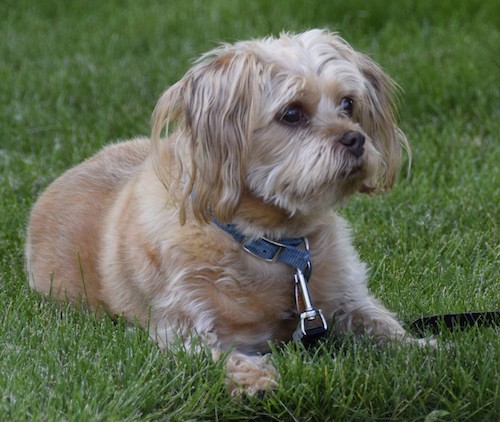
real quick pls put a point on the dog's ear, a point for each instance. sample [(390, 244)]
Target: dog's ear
[(378, 120), (213, 108)]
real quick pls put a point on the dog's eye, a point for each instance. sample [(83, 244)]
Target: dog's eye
[(347, 105), (292, 115)]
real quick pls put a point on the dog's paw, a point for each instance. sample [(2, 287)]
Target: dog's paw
[(430, 342), (250, 375)]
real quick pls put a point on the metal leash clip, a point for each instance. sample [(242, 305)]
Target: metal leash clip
[(312, 324)]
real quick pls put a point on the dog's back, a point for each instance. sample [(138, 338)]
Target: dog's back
[(64, 241)]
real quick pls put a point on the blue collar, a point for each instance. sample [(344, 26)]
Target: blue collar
[(291, 251)]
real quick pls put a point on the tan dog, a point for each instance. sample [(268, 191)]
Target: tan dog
[(267, 136)]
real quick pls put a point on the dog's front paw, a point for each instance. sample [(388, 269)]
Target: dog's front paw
[(250, 375), (430, 342)]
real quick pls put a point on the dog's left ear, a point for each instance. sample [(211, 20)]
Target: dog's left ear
[(213, 107), (378, 120)]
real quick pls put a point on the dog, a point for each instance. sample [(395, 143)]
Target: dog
[(253, 149)]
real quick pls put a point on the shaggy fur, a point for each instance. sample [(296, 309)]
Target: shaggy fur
[(258, 134)]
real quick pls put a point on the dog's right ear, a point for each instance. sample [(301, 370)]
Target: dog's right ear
[(213, 108)]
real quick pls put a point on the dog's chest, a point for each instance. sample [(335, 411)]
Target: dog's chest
[(254, 303)]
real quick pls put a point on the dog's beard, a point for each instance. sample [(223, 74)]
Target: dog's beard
[(300, 175)]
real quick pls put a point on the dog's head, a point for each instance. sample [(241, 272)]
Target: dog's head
[(300, 122)]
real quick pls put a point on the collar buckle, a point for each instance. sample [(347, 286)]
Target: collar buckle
[(270, 254)]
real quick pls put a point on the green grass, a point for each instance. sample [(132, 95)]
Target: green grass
[(76, 75)]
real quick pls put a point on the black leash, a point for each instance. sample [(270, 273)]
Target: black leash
[(452, 322)]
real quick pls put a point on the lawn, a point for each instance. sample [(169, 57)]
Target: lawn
[(75, 75)]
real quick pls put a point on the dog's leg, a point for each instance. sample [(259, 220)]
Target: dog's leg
[(371, 318), (367, 316), (340, 289)]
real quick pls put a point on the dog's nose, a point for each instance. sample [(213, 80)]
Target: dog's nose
[(354, 141)]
